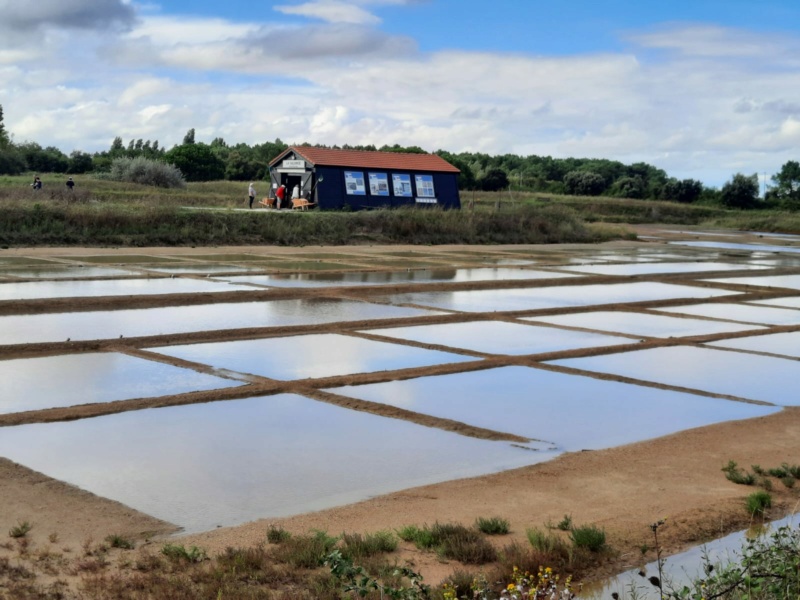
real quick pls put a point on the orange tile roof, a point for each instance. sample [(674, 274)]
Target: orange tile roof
[(399, 161)]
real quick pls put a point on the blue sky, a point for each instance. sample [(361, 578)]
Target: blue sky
[(702, 88)]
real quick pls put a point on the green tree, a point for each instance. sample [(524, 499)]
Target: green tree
[(5, 139), (189, 137), (79, 162), (197, 162), (494, 180), (584, 183), (787, 183), (740, 192), (687, 190)]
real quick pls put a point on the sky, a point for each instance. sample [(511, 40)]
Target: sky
[(701, 88)]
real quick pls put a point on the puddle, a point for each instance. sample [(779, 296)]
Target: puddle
[(65, 272), (788, 302), (111, 287), (200, 268), (91, 378), (496, 337), (121, 259), (745, 313), (304, 356), (787, 344), (393, 277), (737, 246), (657, 267), (314, 266), (647, 325), (781, 281), (552, 297), (705, 369), (57, 327), (571, 411), (681, 569), (225, 463)]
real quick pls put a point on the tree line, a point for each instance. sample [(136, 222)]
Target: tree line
[(217, 160)]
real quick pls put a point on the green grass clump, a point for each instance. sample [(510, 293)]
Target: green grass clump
[(547, 543), (492, 525), (588, 536), (736, 475), (565, 524), (758, 502), (277, 535), (452, 541), (118, 541), (178, 552), (357, 546), (788, 481), (20, 530), (305, 551)]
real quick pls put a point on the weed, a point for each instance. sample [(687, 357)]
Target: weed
[(451, 540), (788, 481), (356, 546), (547, 543), (736, 475), (305, 551), (758, 470), (178, 552), (588, 536), (565, 524), (492, 525), (119, 541), (758, 502), (276, 535), (53, 537), (20, 530)]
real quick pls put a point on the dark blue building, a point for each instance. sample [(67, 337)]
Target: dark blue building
[(335, 179)]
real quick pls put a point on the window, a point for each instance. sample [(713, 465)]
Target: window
[(378, 184), (354, 183), (425, 186), (402, 185)]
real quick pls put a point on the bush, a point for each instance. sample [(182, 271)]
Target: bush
[(547, 543), (492, 526), (20, 530), (758, 502), (276, 535), (588, 536), (119, 541), (356, 546), (451, 540), (146, 172), (305, 551), (180, 553), (736, 475)]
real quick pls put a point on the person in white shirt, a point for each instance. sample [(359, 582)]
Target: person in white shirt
[(251, 191)]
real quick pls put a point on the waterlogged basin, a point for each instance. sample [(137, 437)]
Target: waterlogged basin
[(304, 356), (200, 268), (570, 411), (748, 376), (787, 344), (65, 272), (392, 277), (745, 313), (653, 268), (225, 463), (787, 302), (109, 287), (552, 297), (497, 337), (642, 324), (36, 383), (781, 281), (122, 259), (738, 246), (182, 319)]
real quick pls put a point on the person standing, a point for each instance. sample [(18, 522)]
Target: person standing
[(295, 192), (37, 183), (280, 194), (251, 192), (70, 184)]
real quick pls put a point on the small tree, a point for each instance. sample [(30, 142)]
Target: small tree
[(494, 180), (189, 137), (5, 139), (787, 183), (584, 183), (740, 192), (197, 162)]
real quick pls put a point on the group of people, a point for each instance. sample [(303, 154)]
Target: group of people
[(37, 183), (280, 194)]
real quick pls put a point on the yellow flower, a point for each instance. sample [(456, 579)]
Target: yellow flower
[(511, 587)]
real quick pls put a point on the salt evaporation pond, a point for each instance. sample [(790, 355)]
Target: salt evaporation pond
[(200, 268), (573, 412), (744, 313), (224, 463), (498, 337), (642, 324), (781, 281), (787, 302), (553, 297), (112, 287), (303, 356), (58, 327), (748, 376), (72, 379), (662, 267), (394, 277), (737, 246), (65, 272), (787, 344)]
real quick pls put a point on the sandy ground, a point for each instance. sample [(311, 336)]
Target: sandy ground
[(620, 489)]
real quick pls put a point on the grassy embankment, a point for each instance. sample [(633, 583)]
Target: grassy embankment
[(101, 212)]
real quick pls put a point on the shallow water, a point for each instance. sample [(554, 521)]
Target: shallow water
[(66, 271), (782, 281), (393, 277), (497, 337), (303, 356), (68, 380), (642, 324), (110, 287), (201, 268), (659, 267), (224, 463), (787, 344), (122, 259), (552, 297), (737, 374), (745, 313), (737, 246), (19, 329), (573, 412), (787, 302)]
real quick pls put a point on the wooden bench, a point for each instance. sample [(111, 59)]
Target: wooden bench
[(268, 202), (302, 204)]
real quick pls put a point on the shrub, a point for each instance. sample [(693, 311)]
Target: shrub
[(565, 524), (547, 543), (146, 172), (276, 535), (758, 502), (118, 541), (492, 526), (357, 546), (178, 552), (588, 536), (451, 540), (736, 475), (788, 481), (20, 530), (305, 551)]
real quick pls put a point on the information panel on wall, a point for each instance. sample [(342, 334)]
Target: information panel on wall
[(425, 186), (378, 184), (354, 183), (402, 185)]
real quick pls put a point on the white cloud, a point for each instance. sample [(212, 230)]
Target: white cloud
[(332, 11)]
